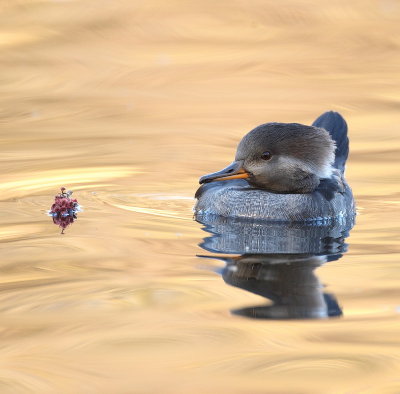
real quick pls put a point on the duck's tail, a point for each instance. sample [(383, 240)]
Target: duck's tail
[(335, 124)]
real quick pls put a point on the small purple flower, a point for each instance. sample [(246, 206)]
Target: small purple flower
[(64, 210)]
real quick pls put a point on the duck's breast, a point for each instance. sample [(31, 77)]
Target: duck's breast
[(237, 199)]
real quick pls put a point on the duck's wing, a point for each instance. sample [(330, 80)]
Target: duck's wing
[(335, 124), (328, 187)]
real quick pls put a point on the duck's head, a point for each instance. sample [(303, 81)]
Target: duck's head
[(282, 158)]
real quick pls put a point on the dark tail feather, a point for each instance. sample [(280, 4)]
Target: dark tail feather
[(337, 127)]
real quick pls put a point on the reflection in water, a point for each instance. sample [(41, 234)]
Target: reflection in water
[(277, 262), (288, 280), (64, 209)]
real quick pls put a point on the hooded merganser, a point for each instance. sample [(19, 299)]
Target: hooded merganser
[(284, 172)]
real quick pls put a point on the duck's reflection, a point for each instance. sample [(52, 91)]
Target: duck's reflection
[(278, 261)]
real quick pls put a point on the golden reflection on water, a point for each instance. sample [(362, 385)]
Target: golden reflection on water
[(128, 103), (50, 179)]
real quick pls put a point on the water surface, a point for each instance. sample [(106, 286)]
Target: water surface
[(128, 104)]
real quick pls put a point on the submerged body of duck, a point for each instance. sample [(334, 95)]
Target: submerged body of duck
[(284, 172)]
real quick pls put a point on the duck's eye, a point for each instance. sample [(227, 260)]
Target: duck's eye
[(266, 155)]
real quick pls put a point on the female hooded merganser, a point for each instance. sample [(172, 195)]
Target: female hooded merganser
[(284, 172)]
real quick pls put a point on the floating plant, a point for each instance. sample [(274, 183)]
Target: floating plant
[(64, 210)]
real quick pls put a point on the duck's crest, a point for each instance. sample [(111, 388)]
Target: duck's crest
[(335, 124)]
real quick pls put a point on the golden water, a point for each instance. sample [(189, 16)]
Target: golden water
[(127, 103)]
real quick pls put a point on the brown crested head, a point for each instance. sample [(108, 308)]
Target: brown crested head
[(286, 157), (282, 158)]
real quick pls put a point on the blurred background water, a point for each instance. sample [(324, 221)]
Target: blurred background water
[(127, 103)]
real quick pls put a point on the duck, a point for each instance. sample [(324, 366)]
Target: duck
[(284, 172)]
